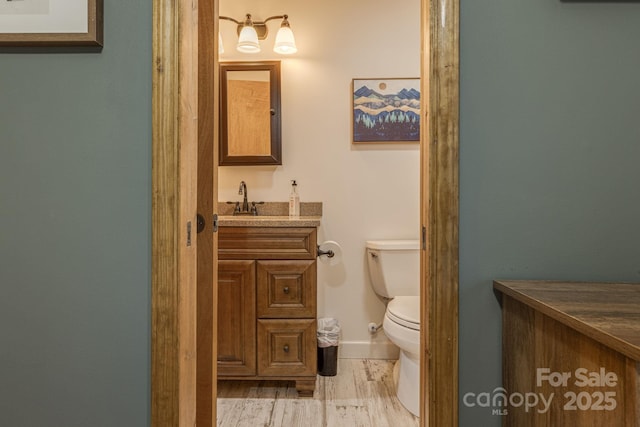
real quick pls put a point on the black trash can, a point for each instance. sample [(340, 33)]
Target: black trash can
[(328, 361), (328, 337)]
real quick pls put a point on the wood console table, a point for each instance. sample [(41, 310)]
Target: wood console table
[(573, 350)]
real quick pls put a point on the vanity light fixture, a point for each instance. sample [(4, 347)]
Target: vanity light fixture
[(250, 31)]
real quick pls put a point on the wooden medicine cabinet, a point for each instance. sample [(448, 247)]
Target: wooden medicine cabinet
[(250, 116)]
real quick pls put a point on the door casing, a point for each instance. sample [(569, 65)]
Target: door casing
[(178, 45), (439, 205)]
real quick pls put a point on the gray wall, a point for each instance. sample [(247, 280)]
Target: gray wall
[(550, 150), (550, 141), (75, 191)]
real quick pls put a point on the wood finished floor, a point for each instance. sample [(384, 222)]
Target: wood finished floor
[(362, 394)]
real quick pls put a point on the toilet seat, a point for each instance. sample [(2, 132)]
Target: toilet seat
[(405, 311)]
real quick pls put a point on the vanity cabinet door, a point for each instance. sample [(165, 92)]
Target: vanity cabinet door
[(287, 347), (236, 318), (286, 289)]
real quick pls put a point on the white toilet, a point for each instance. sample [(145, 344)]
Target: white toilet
[(394, 269)]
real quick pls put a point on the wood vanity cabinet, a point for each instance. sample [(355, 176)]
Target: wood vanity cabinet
[(267, 304), (573, 345)]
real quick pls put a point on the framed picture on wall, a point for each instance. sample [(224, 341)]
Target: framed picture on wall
[(51, 22), (386, 110)]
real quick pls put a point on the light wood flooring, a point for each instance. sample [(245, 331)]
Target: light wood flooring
[(362, 394)]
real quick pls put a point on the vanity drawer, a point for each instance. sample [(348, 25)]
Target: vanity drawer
[(287, 347), (267, 243), (286, 289)]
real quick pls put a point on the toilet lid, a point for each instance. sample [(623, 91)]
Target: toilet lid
[(405, 311)]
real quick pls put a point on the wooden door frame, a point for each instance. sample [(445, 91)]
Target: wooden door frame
[(439, 201), (173, 205), (174, 167)]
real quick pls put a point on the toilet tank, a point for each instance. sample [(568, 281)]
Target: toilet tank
[(394, 267)]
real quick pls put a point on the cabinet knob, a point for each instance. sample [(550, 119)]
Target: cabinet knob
[(285, 289), (286, 348)]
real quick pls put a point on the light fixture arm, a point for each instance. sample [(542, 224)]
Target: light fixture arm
[(230, 19), (276, 17)]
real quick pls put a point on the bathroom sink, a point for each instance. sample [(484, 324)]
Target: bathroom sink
[(254, 213), (267, 209), (270, 214)]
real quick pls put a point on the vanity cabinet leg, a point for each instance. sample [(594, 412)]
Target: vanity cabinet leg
[(305, 388)]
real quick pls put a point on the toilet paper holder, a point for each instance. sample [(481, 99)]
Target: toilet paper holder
[(329, 253)]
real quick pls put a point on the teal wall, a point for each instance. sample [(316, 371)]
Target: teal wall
[(549, 159), (550, 143), (75, 209)]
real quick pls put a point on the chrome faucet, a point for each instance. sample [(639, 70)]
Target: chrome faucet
[(245, 201)]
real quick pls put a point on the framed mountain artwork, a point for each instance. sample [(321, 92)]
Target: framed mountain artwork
[(386, 110), (28, 23)]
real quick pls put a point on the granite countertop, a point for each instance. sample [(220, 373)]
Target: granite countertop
[(272, 214), (268, 221)]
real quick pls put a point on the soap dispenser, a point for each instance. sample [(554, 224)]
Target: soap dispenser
[(294, 200)]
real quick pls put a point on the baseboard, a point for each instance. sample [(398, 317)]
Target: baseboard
[(367, 350)]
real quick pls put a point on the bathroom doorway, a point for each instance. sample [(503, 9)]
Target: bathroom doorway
[(439, 194)]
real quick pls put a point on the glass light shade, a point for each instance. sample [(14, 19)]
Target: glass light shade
[(285, 42), (248, 40), (220, 45)]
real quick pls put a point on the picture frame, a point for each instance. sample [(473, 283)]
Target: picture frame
[(385, 110), (51, 23)]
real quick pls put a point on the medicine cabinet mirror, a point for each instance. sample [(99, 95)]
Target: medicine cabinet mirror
[(250, 117)]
